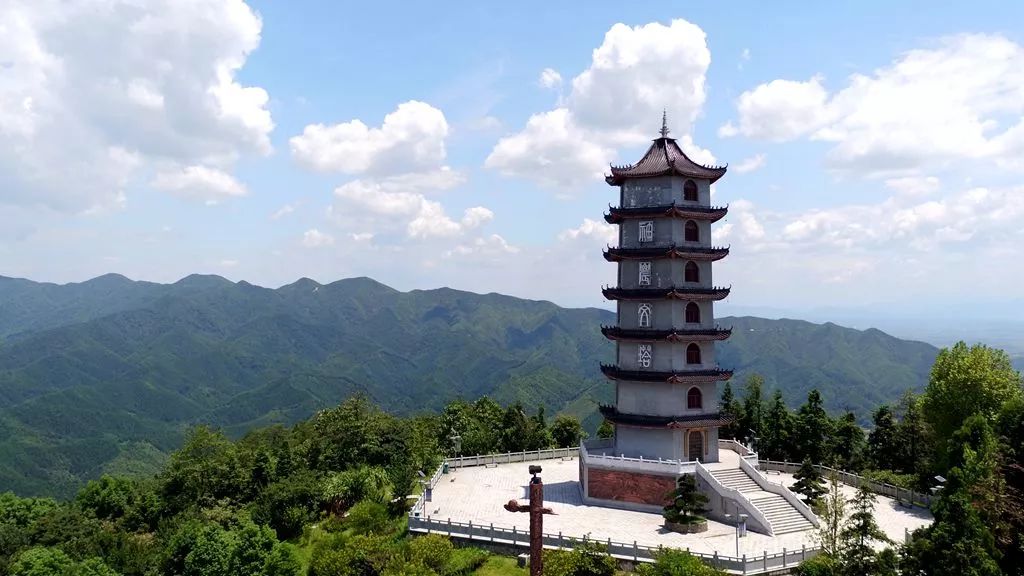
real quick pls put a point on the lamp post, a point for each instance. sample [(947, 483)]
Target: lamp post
[(740, 519)]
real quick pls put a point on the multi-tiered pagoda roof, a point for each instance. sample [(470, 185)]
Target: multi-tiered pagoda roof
[(671, 335), (709, 254), (670, 293), (616, 215), (664, 158), (613, 372), (647, 421)]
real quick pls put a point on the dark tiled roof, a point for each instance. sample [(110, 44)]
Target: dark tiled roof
[(678, 293), (683, 252), (710, 213), (613, 372), (664, 158), (674, 335), (648, 421)]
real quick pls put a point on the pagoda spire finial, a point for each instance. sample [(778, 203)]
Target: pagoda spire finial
[(664, 123)]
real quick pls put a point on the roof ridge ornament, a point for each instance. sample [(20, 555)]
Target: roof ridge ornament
[(664, 123)]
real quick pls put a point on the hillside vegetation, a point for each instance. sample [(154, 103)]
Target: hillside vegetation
[(105, 376)]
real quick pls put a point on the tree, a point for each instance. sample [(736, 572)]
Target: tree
[(367, 517), (515, 429), (913, 441), (42, 562), (203, 471), (883, 447), (585, 559), (729, 409), (752, 416), (831, 514), (778, 430), (847, 446), (566, 431), (813, 430), (606, 430), (283, 560), (809, 483), (686, 502), (957, 544), (538, 436), (858, 557), (965, 381)]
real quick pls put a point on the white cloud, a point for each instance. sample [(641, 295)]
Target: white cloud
[(314, 238), (487, 247), (633, 76), (282, 212), (411, 139), (200, 182), (228, 263), (958, 100), (93, 93), (550, 78), (755, 162), (601, 233), (476, 216)]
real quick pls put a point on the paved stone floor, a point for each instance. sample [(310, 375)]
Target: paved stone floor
[(477, 494)]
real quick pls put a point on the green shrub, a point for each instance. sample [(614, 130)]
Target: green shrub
[(432, 550), (672, 562), (367, 517), (465, 561), (586, 559), (821, 565)]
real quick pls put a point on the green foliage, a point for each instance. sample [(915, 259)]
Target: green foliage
[(813, 430), (343, 489), (751, 420), (107, 380), (566, 431), (42, 562), (606, 430), (729, 408), (831, 513), (465, 561), (585, 559), (908, 481), (432, 550), (367, 517), (686, 502), (672, 562), (204, 470), (859, 534), (288, 504), (809, 483), (966, 381), (283, 560), (820, 565), (777, 430)]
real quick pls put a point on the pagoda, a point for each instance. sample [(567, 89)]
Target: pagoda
[(666, 398)]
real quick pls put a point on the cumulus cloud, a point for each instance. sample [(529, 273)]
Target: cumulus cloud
[(200, 182), (602, 233), (633, 76), (92, 94), (314, 238), (550, 78), (960, 99), (411, 138), (755, 162)]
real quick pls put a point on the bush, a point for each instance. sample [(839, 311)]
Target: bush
[(433, 551), (367, 517), (586, 559), (465, 561), (672, 562), (820, 565), (889, 477)]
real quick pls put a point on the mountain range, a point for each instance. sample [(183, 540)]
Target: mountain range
[(107, 375)]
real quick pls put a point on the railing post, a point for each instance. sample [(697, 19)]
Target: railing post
[(634, 550), (717, 564), (513, 537), (765, 560), (449, 527), (744, 563), (560, 544), (783, 557), (470, 535), (803, 552), (492, 531)]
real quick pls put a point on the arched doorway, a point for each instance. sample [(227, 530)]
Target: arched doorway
[(696, 445)]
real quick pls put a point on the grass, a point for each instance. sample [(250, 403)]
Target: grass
[(500, 566)]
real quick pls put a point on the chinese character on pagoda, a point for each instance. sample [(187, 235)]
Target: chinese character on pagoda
[(665, 373)]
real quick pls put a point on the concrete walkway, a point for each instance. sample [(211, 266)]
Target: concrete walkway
[(477, 495)]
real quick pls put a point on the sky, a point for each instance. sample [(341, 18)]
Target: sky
[(874, 149)]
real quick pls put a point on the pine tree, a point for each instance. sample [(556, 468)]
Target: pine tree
[(831, 513), (857, 554), (778, 430), (686, 502), (729, 408), (810, 484), (882, 441), (751, 419), (847, 444), (813, 430)]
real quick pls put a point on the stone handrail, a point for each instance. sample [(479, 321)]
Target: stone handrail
[(663, 466), (887, 490), (763, 563), (735, 447), (779, 489), (739, 497)]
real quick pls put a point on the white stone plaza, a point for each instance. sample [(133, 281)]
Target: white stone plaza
[(477, 494)]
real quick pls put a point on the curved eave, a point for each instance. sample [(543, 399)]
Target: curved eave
[(670, 252), (613, 372), (697, 335), (647, 421), (698, 294), (709, 213), (620, 174)]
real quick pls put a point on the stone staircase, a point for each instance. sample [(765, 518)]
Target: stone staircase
[(783, 517)]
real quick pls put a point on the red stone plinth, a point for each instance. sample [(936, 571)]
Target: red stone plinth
[(632, 487)]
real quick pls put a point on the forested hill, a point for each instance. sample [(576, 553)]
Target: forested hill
[(105, 375)]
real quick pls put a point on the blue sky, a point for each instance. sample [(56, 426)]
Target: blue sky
[(873, 149)]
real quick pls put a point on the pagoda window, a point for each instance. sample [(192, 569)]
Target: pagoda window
[(647, 231), (692, 313), (693, 354), (691, 232), (690, 191), (692, 272), (645, 274), (694, 399), (643, 313), (643, 355)]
